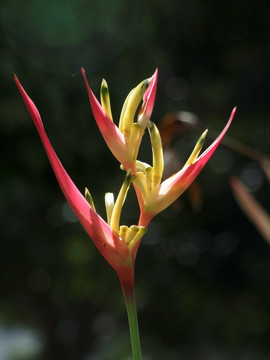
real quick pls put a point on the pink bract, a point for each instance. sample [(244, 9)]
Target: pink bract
[(112, 247)]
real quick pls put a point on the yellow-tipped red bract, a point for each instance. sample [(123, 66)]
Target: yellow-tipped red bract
[(119, 244), (154, 195), (124, 140)]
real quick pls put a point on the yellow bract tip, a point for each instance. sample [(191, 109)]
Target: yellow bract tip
[(105, 98), (197, 149), (89, 198)]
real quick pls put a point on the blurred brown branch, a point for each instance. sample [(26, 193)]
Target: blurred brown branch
[(250, 206)]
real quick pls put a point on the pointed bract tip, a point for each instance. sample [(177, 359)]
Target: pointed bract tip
[(104, 83), (89, 199), (232, 115), (104, 87), (146, 84), (82, 70), (203, 136), (17, 81), (154, 76), (197, 149), (200, 142), (105, 98)]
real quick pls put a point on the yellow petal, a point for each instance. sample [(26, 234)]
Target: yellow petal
[(115, 218), (131, 104), (158, 161), (109, 204)]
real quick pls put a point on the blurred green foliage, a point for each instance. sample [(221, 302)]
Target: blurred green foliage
[(202, 278)]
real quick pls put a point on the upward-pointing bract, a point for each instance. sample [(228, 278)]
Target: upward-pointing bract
[(154, 195), (124, 140)]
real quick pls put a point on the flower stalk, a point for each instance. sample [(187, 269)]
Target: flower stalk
[(131, 307)]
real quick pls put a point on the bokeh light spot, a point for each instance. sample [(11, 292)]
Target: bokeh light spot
[(187, 254), (252, 177), (68, 214)]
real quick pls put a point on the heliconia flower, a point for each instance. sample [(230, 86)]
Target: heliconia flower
[(118, 244), (124, 140), (154, 195)]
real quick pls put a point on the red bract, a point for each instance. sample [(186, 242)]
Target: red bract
[(165, 193), (112, 247)]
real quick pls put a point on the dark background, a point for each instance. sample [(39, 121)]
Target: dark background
[(202, 272)]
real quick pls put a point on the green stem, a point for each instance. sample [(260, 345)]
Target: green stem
[(133, 322)]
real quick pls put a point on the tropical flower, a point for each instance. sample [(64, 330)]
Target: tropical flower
[(124, 141), (118, 244), (154, 195)]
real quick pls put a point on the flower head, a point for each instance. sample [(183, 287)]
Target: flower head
[(124, 140), (119, 244)]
